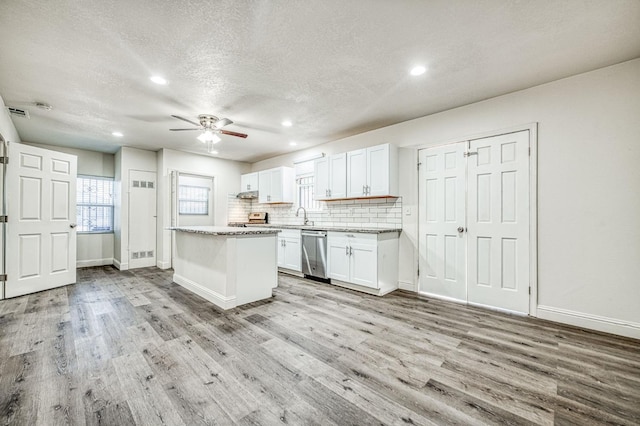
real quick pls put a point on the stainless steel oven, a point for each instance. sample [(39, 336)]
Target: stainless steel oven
[(314, 253)]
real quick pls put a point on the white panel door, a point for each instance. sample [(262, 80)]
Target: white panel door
[(498, 215), (277, 178), (356, 173), (442, 248), (41, 207), (142, 219), (264, 185)]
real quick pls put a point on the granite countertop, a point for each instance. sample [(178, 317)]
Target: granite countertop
[(224, 230), (321, 228)]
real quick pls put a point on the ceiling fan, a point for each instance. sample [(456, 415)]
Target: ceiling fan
[(211, 126)]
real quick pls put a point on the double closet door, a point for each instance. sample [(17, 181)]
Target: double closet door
[(474, 221)]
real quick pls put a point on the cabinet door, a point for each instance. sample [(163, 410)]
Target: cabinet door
[(292, 254), (264, 185), (338, 259), (363, 268), (356, 173), (281, 252), (378, 170), (338, 176), (249, 182), (276, 186), (321, 178)]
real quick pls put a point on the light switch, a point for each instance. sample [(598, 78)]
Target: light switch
[(407, 211)]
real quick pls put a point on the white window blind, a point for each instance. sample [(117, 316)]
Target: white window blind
[(193, 200), (94, 204)]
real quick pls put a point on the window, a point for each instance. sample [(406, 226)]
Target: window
[(304, 186), (193, 200), (94, 205)]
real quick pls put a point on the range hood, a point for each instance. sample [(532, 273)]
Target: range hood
[(248, 195)]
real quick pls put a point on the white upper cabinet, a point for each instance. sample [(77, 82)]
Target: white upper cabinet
[(321, 178), (338, 176), (373, 172), (330, 177), (249, 182), (276, 185)]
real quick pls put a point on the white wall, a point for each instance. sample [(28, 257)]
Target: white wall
[(92, 249), (127, 159), (588, 187), (226, 180)]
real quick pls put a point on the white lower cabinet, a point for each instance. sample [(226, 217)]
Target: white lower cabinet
[(363, 261), (289, 249)]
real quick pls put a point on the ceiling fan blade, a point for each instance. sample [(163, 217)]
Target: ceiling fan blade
[(222, 122), (227, 132), (187, 120), (182, 130)]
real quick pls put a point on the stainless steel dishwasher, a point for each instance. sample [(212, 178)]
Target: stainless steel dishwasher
[(314, 254)]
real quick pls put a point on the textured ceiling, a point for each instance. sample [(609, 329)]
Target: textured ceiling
[(333, 67)]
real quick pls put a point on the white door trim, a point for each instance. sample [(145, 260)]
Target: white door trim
[(533, 198)]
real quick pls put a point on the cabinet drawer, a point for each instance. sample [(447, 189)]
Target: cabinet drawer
[(362, 237), (289, 233)]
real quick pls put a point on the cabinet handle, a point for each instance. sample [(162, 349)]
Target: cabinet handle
[(326, 192), (350, 251), (364, 189), (329, 192), (346, 248)]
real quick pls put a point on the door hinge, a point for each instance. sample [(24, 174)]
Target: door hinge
[(529, 290), (3, 277), (419, 166), (4, 160), (418, 271), (4, 219), (529, 151), (469, 153)]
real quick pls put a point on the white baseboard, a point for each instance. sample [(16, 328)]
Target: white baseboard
[(291, 272), (210, 295), (94, 262), (119, 265), (593, 322), (163, 265), (406, 285), (446, 298)]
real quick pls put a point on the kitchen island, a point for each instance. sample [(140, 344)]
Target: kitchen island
[(227, 266)]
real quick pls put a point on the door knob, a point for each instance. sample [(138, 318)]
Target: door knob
[(72, 225), (461, 229)]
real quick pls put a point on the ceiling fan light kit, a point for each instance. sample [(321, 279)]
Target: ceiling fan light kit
[(211, 126)]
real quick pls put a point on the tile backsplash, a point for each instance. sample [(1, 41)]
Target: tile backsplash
[(369, 213)]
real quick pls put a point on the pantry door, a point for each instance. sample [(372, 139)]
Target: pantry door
[(498, 218), (442, 221), (41, 210)]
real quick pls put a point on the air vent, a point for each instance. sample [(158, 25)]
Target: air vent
[(19, 112)]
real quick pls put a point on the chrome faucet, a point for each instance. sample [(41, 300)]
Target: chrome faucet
[(306, 221)]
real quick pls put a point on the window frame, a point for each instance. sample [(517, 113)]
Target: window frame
[(111, 206)]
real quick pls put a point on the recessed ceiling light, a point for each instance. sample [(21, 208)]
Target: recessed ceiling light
[(117, 134), (418, 70), (293, 143), (158, 80), (287, 123)]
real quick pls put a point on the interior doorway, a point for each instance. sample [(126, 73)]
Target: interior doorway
[(475, 222)]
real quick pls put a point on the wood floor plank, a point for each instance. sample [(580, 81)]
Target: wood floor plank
[(132, 347)]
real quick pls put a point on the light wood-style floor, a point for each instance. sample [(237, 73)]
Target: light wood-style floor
[(131, 347)]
